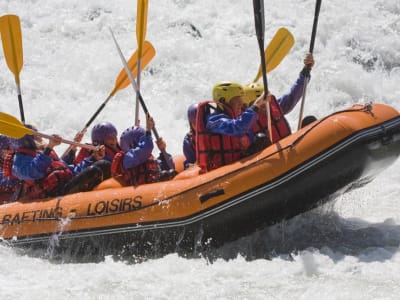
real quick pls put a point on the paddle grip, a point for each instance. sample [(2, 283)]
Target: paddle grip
[(89, 147)]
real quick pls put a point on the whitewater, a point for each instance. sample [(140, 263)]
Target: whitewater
[(348, 249)]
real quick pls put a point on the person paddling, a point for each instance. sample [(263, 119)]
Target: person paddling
[(135, 164), (38, 166), (279, 107)]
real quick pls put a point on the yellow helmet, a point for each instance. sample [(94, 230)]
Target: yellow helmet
[(252, 91), (225, 91)]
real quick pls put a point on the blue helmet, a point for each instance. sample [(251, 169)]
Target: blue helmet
[(130, 137), (26, 141), (191, 113), (101, 131), (5, 142)]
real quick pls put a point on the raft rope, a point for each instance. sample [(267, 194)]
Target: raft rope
[(367, 107)]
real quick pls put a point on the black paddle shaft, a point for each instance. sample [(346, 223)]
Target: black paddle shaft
[(155, 132), (307, 69), (21, 108), (259, 21), (314, 32), (314, 29)]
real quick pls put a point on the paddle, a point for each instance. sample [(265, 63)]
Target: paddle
[(308, 68), (12, 127), (135, 87), (122, 81), (258, 6), (11, 37), (141, 27), (277, 49)]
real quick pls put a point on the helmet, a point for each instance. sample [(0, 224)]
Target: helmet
[(252, 91), (27, 141), (5, 142), (130, 137), (191, 113), (225, 91), (101, 131)]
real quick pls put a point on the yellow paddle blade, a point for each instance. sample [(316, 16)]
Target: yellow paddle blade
[(141, 24), (11, 37), (277, 49), (122, 80), (12, 127)]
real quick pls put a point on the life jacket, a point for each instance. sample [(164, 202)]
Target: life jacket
[(215, 150), (279, 126), (12, 184), (83, 153), (51, 185), (7, 163), (147, 172)]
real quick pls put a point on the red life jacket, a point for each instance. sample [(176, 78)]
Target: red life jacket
[(147, 172), (215, 150), (7, 165), (82, 154), (51, 185), (279, 126)]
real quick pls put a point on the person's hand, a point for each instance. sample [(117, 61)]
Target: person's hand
[(149, 123), (100, 153), (260, 102), (55, 140), (161, 144), (309, 60)]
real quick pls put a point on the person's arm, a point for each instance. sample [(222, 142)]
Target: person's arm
[(188, 150), (26, 167), (140, 154), (223, 124), (164, 165), (288, 101)]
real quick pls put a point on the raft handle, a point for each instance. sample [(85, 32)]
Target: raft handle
[(212, 194)]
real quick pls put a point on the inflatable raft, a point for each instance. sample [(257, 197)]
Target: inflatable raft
[(331, 155)]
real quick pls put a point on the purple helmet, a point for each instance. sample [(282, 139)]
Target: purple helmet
[(5, 142), (130, 137), (192, 111), (26, 141), (101, 131)]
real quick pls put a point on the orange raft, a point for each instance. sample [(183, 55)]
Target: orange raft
[(306, 169)]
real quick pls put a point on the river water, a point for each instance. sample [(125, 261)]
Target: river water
[(348, 249)]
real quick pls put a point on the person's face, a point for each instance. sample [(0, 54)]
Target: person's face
[(111, 141), (236, 103)]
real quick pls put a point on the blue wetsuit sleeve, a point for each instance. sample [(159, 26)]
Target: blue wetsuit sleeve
[(26, 167), (136, 156), (288, 101), (223, 124)]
